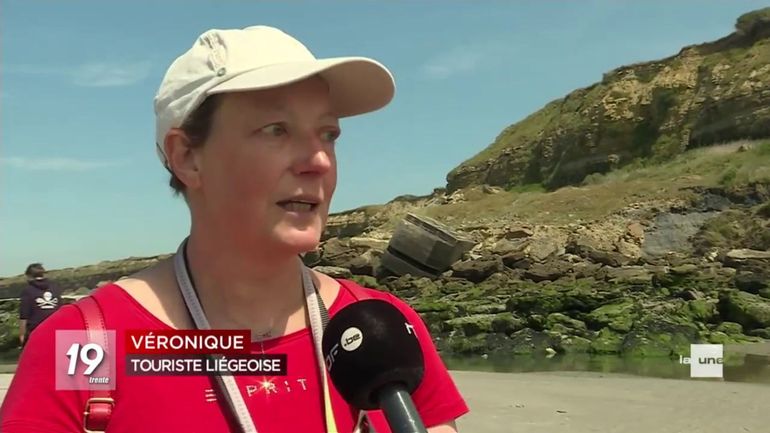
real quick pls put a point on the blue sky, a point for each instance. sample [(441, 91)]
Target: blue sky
[(79, 179)]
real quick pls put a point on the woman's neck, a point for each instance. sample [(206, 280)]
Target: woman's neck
[(260, 292)]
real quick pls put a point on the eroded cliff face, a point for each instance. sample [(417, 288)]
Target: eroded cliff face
[(707, 94)]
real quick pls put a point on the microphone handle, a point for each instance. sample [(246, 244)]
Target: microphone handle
[(399, 410)]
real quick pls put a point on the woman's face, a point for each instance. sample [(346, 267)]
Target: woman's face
[(268, 168)]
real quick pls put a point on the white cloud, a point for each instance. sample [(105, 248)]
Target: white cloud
[(56, 164), (464, 59), (110, 74), (91, 74), (452, 63)]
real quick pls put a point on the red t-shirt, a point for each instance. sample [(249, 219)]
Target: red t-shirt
[(161, 404)]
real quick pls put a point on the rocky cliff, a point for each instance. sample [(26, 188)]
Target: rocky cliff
[(706, 94), (642, 263)]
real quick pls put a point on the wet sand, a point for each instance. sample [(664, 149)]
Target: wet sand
[(759, 349), (594, 402), (567, 402)]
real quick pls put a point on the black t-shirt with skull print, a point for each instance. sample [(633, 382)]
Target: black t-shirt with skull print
[(40, 299)]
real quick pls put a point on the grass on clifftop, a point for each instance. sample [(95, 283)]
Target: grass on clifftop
[(724, 165)]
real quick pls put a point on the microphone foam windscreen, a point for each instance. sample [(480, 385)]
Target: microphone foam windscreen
[(367, 345)]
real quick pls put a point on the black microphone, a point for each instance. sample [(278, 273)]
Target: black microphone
[(375, 361)]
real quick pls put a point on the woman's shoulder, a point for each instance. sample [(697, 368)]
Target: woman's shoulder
[(152, 292), (358, 291)]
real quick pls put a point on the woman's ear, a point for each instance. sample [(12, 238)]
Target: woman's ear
[(181, 158)]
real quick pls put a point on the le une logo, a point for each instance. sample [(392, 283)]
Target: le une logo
[(705, 360)]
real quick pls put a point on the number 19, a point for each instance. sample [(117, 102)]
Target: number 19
[(92, 363)]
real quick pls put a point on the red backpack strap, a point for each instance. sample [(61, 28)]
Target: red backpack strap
[(100, 403)]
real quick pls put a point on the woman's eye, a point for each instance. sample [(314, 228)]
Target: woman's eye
[(331, 135), (275, 130)]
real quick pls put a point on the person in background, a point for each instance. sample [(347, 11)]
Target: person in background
[(39, 300)]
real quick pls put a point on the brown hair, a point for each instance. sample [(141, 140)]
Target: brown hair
[(197, 126)]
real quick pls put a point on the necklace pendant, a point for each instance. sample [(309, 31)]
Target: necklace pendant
[(262, 336)]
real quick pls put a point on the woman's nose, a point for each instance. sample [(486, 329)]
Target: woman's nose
[(315, 156)]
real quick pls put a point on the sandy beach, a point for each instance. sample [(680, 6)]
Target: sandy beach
[(593, 402), (569, 402)]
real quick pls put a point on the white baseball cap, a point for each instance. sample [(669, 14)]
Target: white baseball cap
[(262, 57)]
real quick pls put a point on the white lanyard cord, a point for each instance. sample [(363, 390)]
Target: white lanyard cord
[(227, 383), (316, 327)]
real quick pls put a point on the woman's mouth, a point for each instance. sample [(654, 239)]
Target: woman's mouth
[(298, 206)]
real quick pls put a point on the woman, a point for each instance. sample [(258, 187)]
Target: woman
[(246, 124)]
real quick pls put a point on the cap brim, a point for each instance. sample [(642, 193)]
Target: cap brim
[(357, 85)]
